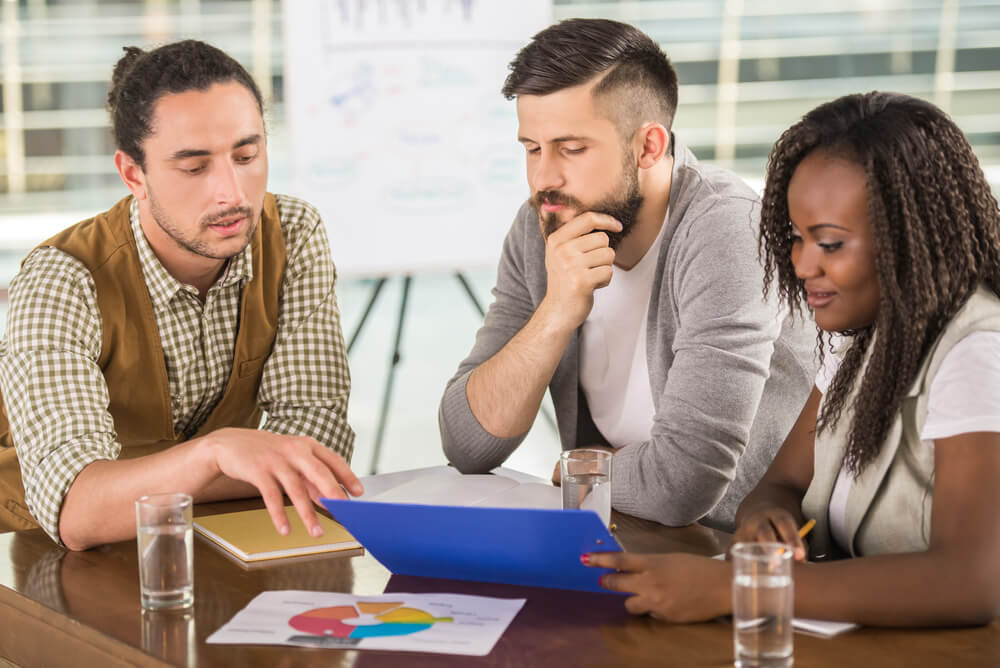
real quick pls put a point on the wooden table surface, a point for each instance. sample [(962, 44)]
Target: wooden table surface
[(60, 608)]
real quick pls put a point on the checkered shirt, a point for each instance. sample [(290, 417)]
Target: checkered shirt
[(56, 397)]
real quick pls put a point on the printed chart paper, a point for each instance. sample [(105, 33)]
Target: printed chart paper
[(442, 623)]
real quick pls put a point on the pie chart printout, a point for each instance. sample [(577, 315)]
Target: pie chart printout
[(365, 620), (395, 622)]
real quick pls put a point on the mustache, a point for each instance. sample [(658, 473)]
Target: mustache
[(555, 197), (244, 211)]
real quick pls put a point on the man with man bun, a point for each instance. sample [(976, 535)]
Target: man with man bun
[(144, 345)]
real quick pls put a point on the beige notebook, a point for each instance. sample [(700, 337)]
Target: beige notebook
[(251, 536)]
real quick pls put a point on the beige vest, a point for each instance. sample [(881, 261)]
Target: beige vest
[(131, 352), (889, 504)]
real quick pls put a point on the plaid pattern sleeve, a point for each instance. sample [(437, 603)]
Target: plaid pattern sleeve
[(306, 382), (54, 392)]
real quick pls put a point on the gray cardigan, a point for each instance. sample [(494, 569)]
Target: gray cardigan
[(728, 372)]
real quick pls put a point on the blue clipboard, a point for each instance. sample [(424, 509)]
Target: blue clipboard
[(521, 546)]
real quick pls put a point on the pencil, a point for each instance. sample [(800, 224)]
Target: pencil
[(806, 528)]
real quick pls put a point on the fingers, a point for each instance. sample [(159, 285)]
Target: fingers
[(557, 475), (600, 277), (766, 533), (590, 242), (584, 253), (800, 549), (313, 493), (274, 501), (786, 530), (593, 247), (277, 465), (631, 581), (584, 224), (310, 471), (623, 582), (619, 561), (319, 467), (773, 525), (296, 490), (602, 257), (341, 471), (638, 605)]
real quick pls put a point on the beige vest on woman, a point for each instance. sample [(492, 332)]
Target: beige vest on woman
[(889, 504)]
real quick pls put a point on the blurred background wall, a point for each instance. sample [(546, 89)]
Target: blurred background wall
[(748, 69)]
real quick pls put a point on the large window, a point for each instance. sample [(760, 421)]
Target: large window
[(748, 69)]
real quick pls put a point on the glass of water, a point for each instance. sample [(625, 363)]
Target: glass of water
[(763, 596), (585, 476), (166, 550)]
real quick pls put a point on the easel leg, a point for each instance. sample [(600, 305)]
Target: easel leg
[(368, 309), (472, 295), (387, 395)]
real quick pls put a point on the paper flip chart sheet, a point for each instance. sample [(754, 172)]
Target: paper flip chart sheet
[(399, 134)]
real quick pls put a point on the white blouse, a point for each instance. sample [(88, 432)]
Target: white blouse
[(964, 397)]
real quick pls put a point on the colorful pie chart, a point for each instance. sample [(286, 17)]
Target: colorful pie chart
[(367, 620)]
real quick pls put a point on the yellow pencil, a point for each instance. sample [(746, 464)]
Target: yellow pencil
[(806, 528)]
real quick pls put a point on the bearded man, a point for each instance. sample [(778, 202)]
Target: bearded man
[(629, 285)]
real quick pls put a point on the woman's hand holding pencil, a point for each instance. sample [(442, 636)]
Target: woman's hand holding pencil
[(774, 525)]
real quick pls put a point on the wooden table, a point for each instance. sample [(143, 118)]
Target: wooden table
[(60, 608)]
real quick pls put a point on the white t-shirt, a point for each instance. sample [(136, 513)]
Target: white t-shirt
[(964, 397), (614, 375)]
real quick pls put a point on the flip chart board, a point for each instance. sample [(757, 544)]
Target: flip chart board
[(398, 130)]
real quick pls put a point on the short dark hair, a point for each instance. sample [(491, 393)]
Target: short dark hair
[(639, 82), (936, 227), (141, 78)]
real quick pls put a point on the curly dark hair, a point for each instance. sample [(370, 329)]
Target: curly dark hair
[(937, 237), (141, 78)]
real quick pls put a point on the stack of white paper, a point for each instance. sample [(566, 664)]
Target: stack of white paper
[(444, 485)]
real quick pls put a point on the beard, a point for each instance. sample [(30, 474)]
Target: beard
[(189, 241), (623, 205)]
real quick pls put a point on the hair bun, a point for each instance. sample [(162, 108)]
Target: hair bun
[(122, 69)]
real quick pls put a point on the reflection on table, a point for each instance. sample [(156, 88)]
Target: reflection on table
[(85, 605)]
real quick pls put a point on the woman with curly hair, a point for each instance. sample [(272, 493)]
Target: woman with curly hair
[(877, 215)]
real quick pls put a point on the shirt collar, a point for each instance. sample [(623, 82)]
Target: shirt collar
[(161, 284)]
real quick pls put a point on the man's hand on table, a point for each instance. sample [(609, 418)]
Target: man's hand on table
[(277, 465)]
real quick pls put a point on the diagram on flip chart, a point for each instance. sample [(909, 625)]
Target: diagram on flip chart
[(399, 133)]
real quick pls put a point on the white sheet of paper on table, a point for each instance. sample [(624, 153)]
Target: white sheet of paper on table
[(442, 623), (444, 485), (815, 627), (383, 482)]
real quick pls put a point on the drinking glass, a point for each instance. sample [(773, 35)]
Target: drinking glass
[(166, 550), (762, 604), (586, 481)]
